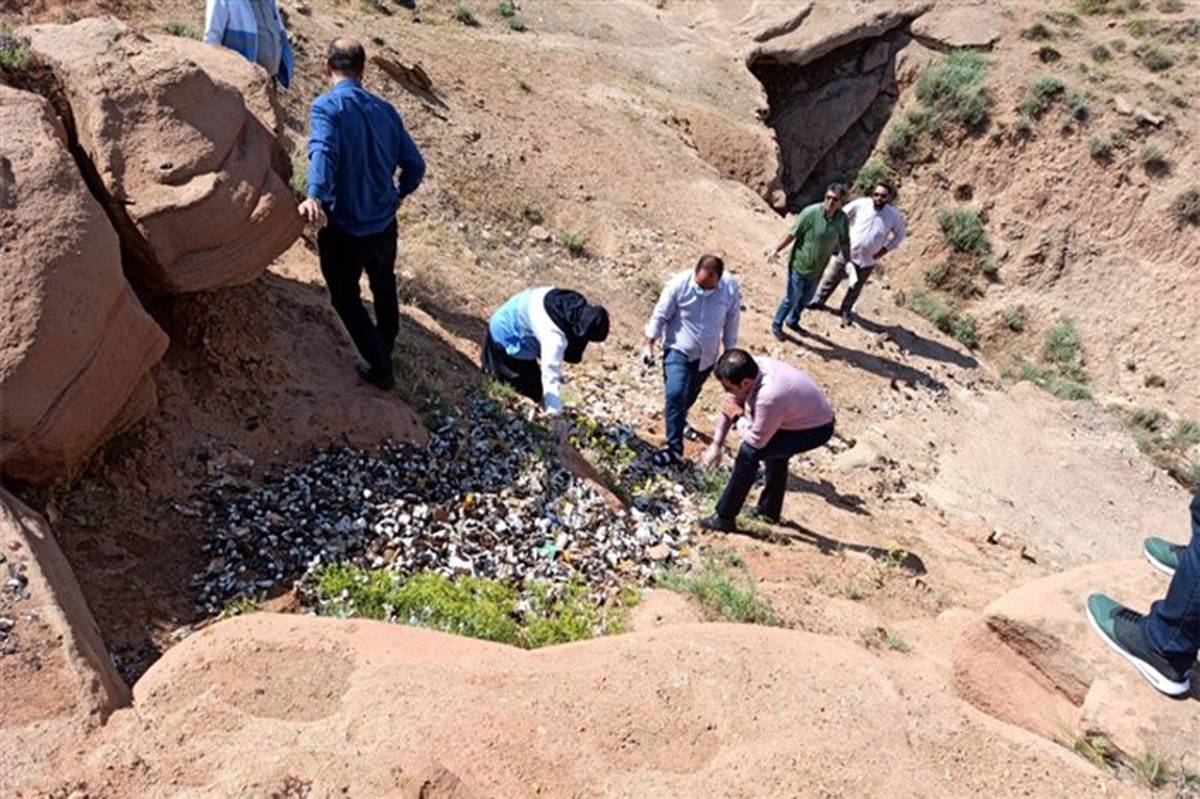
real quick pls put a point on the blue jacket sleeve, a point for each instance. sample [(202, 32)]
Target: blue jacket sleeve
[(322, 153), (410, 163)]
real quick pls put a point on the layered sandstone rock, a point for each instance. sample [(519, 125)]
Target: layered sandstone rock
[(76, 347), (189, 164)]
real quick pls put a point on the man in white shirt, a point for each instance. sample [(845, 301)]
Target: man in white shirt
[(876, 228), (697, 311)]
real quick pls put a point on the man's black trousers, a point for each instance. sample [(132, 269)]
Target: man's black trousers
[(343, 260)]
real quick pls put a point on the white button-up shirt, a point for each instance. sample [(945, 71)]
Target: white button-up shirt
[(871, 230), (696, 324)]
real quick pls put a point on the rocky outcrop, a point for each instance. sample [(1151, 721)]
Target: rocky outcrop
[(948, 27), (57, 675), (832, 25), (187, 163), (75, 345), (1034, 661)]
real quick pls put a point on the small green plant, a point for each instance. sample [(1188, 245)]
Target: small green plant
[(1154, 56), (1141, 27), (379, 41), (1014, 318), (1061, 348), (68, 16), (900, 141), (531, 213), (1150, 419), (965, 331), (896, 642), (1077, 107), (870, 175), (573, 243), (937, 276), (182, 29), (1092, 7), (466, 16), (1186, 207), (944, 317), (299, 179), (1101, 148), (1041, 94), (238, 607), (517, 24), (507, 10), (1151, 770), (1154, 160), (14, 54), (1100, 54), (724, 590), (851, 590), (953, 88), (1170, 6), (1096, 750), (1038, 32), (963, 231)]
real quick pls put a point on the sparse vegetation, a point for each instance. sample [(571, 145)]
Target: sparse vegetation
[(944, 317), (1170, 6), (466, 16), (1154, 56), (900, 141), (1154, 160), (517, 24), (1101, 148), (238, 607), (963, 231), (1186, 207), (1096, 750), (1038, 32), (1167, 445), (531, 213), (573, 243), (1041, 94), (543, 614), (14, 55), (181, 29), (953, 89), (1048, 55), (378, 41), (507, 10), (936, 276), (1100, 54), (870, 175), (1062, 372), (1151, 770), (68, 16), (1014, 318), (299, 180), (723, 588)]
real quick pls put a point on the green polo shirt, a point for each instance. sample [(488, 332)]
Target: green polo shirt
[(817, 238)]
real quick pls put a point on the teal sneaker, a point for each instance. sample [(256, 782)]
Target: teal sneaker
[(1121, 629), (1163, 555)]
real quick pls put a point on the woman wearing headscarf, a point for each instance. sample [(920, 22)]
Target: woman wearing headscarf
[(530, 336)]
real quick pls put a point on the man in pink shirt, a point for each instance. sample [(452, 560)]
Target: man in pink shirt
[(779, 412)]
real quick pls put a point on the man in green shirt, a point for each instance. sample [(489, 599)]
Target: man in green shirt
[(819, 231)]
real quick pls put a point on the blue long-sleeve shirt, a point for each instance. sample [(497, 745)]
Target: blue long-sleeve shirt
[(696, 323), (356, 142)]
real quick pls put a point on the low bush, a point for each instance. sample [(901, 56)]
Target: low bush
[(573, 243), (181, 29), (963, 231), (1186, 207), (1101, 148), (870, 175), (953, 88), (724, 589), (1154, 56), (1154, 160)]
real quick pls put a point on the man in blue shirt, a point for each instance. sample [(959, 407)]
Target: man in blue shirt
[(698, 311), (356, 144)]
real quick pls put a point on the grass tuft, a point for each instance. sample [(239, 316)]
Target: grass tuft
[(1186, 207), (181, 29), (963, 230), (1014, 318), (953, 89), (870, 175), (466, 16), (724, 589), (1154, 56), (936, 309), (573, 243), (1154, 160), (1101, 148)]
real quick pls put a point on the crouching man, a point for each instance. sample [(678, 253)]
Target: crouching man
[(779, 412)]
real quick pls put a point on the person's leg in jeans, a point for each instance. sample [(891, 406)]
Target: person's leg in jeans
[(1173, 624), (834, 273), (341, 266), (782, 446), (381, 275), (678, 374), (790, 298), (805, 288), (694, 385)]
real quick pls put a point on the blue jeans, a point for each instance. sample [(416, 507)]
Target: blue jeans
[(683, 379), (800, 290), (1173, 624), (775, 454)]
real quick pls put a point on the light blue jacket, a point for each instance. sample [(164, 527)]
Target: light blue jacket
[(231, 23)]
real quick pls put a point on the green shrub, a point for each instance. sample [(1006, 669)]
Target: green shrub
[(1038, 32), (963, 231), (1186, 207), (517, 24), (724, 589), (181, 29), (1041, 94), (1091, 7), (1154, 56), (531, 213), (1170, 6), (870, 175), (937, 276), (1151, 419), (1154, 160), (900, 141), (465, 16), (507, 10), (1077, 107), (965, 331), (954, 89), (1141, 27), (1049, 380), (573, 243), (1101, 148), (1100, 53), (299, 181), (1048, 55), (1061, 349), (944, 317), (470, 606), (14, 54), (1014, 318), (68, 16)]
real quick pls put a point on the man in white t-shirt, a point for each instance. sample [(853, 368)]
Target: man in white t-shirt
[(876, 228)]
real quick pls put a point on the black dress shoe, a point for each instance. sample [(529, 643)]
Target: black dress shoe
[(367, 373), (718, 524)]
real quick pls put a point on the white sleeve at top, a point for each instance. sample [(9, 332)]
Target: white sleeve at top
[(733, 316), (216, 18), (552, 344)]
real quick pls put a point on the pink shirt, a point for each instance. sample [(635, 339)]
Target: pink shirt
[(783, 398)]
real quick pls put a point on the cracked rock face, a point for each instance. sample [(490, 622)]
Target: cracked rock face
[(182, 139), (76, 347)]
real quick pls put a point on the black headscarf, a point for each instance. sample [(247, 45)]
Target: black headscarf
[(579, 321)]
